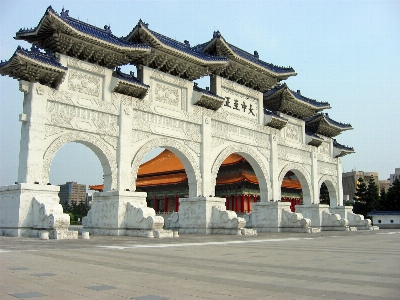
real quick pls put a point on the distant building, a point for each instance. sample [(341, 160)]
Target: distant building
[(385, 219), (89, 199), (350, 180), (395, 176), (72, 192), (384, 184)]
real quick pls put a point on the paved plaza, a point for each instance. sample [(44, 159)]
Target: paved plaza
[(328, 265)]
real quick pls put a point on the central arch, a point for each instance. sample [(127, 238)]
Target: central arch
[(331, 185), (181, 151), (303, 177), (99, 148), (254, 160)]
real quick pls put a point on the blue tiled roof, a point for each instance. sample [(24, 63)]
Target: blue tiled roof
[(329, 120), (383, 212), (247, 56), (34, 53), (296, 95), (205, 91), (103, 34), (273, 113), (254, 59), (313, 135), (128, 77), (183, 47), (339, 146)]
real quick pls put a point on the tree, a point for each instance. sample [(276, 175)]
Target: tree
[(360, 206), (382, 201), (324, 194), (372, 195), (393, 196)]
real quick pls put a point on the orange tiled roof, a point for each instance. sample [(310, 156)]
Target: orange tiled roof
[(161, 179), (165, 162), (174, 172)]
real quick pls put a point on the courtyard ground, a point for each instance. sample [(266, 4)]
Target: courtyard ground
[(328, 265)]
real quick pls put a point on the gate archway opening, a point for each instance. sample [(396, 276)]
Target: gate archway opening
[(291, 190), (328, 193), (74, 173), (237, 183), (164, 179)]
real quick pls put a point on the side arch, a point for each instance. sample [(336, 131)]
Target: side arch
[(181, 151), (105, 155), (254, 160), (331, 184), (304, 178)]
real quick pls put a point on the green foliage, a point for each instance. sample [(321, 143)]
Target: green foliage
[(324, 194), (367, 197), (75, 211), (393, 196)]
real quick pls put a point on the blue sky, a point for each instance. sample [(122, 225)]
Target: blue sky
[(346, 53)]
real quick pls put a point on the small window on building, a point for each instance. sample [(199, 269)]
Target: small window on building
[(391, 221), (379, 221)]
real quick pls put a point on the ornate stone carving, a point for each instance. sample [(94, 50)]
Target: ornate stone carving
[(248, 153), (107, 158), (293, 154), (84, 83), (138, 135), (174, 144), (292, 132), (85, 102), (86, 66), (327, 169), (51, 130), (72, 116), (167, 94)]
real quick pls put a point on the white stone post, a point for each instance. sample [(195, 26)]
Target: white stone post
[(205, 159), (124, 145), (314, 180), (33, 120), (276, 185), (339, 187)]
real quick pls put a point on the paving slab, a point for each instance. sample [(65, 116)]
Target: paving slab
[(327, 265)]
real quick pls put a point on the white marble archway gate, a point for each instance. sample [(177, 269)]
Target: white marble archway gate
[(121, 129)]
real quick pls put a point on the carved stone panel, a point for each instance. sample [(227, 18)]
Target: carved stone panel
[(84, 83)]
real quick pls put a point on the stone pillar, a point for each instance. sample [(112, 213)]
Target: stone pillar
[(124, 145), (205, 159), (33, 120), (275, 184), (314, 181), (339, 187)]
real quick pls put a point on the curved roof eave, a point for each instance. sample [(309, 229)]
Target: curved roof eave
[(56, 18), (211, 61), (239, 58)]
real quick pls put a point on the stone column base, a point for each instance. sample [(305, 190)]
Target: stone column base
[(29, 209), (123, 213), (276, 217), (206, 215), (355, 220), (322, 218)]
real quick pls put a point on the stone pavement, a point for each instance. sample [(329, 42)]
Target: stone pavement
[(328, 265)]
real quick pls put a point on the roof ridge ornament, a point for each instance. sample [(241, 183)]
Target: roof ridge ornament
[(217, 34), (256, 54), (187, 44), (107, 29), (35, 49), (142, 23), (64, 13)]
